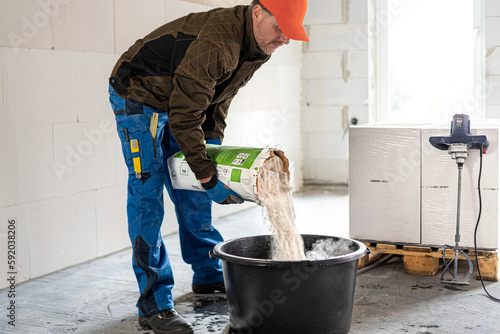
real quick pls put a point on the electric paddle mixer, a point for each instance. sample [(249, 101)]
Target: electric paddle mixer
[(458, 144)]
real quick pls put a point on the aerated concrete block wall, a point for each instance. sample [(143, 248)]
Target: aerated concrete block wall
[(335, 85), (335, 81), (63, 179), (492, 41)]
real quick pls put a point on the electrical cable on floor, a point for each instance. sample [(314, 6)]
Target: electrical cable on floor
[(477, 223), (376, 264)]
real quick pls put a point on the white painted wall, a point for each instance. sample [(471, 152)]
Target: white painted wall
[(62, 172)]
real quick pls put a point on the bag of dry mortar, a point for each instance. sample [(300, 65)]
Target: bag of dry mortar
[(237, 167)]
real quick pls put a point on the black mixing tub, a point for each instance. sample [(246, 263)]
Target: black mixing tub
[(303, 297)]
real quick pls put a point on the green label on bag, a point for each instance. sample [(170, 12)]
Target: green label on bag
[(242, 157), (236, 175)]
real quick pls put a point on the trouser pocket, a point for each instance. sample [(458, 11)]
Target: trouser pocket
[(138, 146)]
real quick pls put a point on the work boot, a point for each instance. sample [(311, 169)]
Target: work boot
[(166, 322), (209, 288)]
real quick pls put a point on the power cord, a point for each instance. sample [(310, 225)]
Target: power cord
[(477, 223), (376, 264)]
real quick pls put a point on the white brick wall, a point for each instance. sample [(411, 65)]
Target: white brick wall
[(335, 85), (63, 176), (62, 232), (22, 230), (111, 212), (492, 27), (268, 108), (2, 109), (358, 11), (128, 28), (327, 37), (329, 64), (25, 24), (335, 76), (492, 24), (492, 8), (31, 76), (54, 65), (85, 156), (493, 111), (84, 26), (178, 8), (323, 12), (334, 92), (493, 61), (34, 155), (9, 180), (92, 73)]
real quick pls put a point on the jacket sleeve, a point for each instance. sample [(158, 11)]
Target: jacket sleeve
[(216, 131), (194, 84)]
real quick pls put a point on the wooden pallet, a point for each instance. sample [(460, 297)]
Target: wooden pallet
[(423, 260)]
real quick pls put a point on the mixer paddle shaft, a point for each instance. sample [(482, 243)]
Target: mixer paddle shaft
[(460, 153)]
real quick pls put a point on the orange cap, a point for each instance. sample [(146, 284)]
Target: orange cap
[(289, 15)]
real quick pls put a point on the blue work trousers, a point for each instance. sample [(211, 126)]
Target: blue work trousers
[(145, 209)]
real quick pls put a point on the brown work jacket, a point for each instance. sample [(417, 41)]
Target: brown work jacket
[(192, 68)]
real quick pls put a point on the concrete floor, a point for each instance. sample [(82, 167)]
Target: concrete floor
[(100, 296)]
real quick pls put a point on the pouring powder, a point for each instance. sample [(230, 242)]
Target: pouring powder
[(275, 193)]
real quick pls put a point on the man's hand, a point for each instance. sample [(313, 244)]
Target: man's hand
[(219, 193)]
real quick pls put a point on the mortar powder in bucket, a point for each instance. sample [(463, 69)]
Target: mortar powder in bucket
[(306, 296)]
